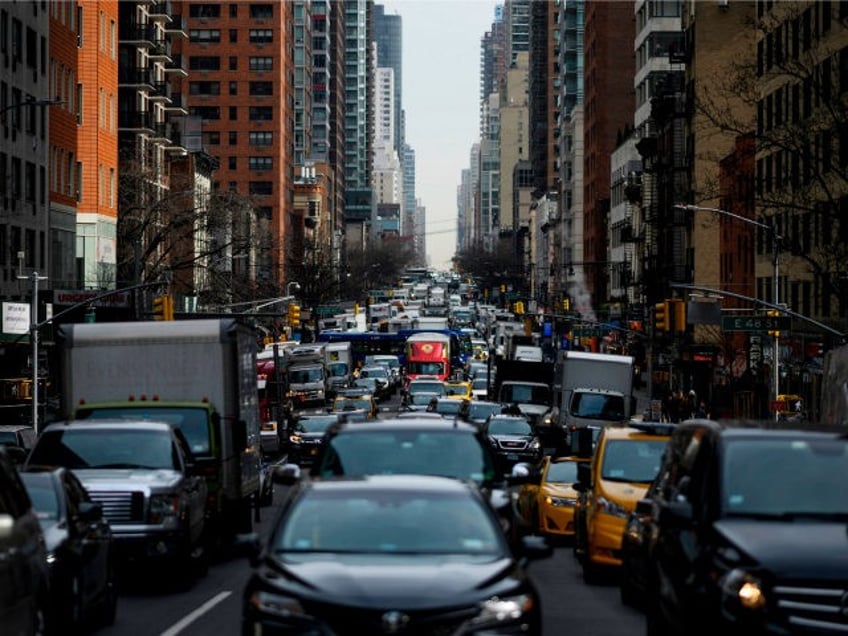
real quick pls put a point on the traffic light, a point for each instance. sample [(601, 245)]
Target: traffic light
[(518, 307), (163, 307), (294, 315), (661, 316), (678, 310), (566, 304), (774, 313)]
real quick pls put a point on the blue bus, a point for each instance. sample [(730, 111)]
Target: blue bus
[(368, 343)]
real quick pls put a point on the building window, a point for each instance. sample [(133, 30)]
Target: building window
[(261, 36), (210, 10), (204, 63), (233, 36), (233, 138), (204, 36), (261, 88), (262, 138), (233, 10), (233, 88), (206, 112), (212, 138), (204, 88), (231, 163), (261, 11), (233, 113), (233, 63), (261, 64), (261, 163), (260, 187), (261, 113)]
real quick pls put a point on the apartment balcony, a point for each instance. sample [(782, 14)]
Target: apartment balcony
[(161, 91), (160, 50), (177, 27), (137, 120), (134, 33), (135, 77), (160, 11), (177, 66), (177, 106)]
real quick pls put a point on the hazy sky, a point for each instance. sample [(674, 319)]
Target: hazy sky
[(441, 97)]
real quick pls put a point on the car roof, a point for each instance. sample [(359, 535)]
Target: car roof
[(417, 483), (638, 430), (408, 424), (15, 427), (123, 424), (741, 428)]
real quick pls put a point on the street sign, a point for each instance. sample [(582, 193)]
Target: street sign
[(323, 310), (755, 323)]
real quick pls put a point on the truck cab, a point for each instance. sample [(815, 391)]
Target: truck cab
[(306, 376)]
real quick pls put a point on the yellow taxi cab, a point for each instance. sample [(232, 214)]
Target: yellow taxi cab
[(626, 460), (458, 390), (549, 506), (348, 403)]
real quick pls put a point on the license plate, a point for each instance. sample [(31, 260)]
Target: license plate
[(512, 457)]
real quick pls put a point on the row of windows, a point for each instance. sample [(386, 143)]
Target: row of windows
[(213, 10), (213, 36), (257, 138), (13, 241), (255, 113), (213, 63), (794, 167)]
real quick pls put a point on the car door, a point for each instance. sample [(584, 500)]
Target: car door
[(91, 538)]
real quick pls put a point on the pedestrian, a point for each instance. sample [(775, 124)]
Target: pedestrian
[(701, 411)]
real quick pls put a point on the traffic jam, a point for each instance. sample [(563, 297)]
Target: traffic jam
[(358, 485)]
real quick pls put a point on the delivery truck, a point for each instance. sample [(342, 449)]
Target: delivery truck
[(198, 375)]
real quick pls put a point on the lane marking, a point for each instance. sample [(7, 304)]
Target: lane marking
[(188, 619)]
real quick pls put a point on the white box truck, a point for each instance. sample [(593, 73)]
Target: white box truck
[(592, 389), (198, 375)]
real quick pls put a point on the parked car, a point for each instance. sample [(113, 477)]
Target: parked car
[(24, 578), (550, 504), (513, 439), (79, 549), (390, 554), (749, 534)]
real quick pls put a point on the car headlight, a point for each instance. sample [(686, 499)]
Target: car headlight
[(51, 558), (275, 604), (610, 507), (560, 502), (741, 590), (503, 610), (534, 445), (295, 439), (164, 509)]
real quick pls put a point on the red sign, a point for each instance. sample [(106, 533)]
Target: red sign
[(778, 406)]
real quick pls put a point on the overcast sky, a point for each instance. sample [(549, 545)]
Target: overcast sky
[(441, 97)]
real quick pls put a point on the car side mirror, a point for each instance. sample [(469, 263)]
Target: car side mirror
[(579, 486), (90, 511), (249, 546), (644, 507), (676, 514), (535, 547), (523, 473), (286, 474), (17, 454)]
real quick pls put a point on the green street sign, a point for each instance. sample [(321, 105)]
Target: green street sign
[(755, 323), (587, 333), (328, 311)]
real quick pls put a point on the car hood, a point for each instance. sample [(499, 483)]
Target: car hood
[(104, 478), (622, 492), (408, 582), (797, 549), (555, 489), (513, 438)]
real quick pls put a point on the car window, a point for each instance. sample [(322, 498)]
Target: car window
[(499, 426), (635, 461), (386, 522), (316, 424), (444, 453), (562, 472), (44, 498), (110, 448)]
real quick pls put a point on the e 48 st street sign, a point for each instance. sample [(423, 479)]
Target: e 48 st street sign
[(755, 323)]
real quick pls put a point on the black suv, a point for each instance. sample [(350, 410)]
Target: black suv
[(750, 531)]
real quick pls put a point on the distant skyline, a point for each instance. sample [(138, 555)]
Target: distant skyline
[(441, 98)]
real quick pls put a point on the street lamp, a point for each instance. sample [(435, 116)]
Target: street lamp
[(775, 246), (289, 286), (33, 336)]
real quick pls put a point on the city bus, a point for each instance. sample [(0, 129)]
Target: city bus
[(461, 350), (368, 343)]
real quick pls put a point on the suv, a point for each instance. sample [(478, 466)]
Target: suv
[(24, 578), (420, 447), (749, 531), (140, 472), (626, 460)]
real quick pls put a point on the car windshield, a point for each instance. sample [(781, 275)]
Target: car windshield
[(634, 461), (9, 438), (525, 394), (337, 369), (429, 387), (43, 496), (422, 398), (193, 422), (387, 522), (511, 426), (812, 470), (425, 368), (352, 404), (480, 384), (302, 376), (598, 406), (562, 472), (446, 452), (480, 411), (316, 424), (108, 448), (448, 407)]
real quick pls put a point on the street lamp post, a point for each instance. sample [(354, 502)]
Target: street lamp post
[(33, 336), (775, 246)]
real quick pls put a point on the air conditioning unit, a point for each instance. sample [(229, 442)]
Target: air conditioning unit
[(723, 4)]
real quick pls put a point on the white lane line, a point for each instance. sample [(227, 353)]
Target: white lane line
[(188, 619)]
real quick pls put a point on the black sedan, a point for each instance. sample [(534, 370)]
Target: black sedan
[(391, 554), (306, 436), (513, 440), (79, 549)]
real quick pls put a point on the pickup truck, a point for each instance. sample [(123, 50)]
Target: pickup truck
[(142, 474)]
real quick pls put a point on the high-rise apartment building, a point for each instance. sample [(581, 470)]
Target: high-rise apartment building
[(388, 35), (304, 62), (240, 63)]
